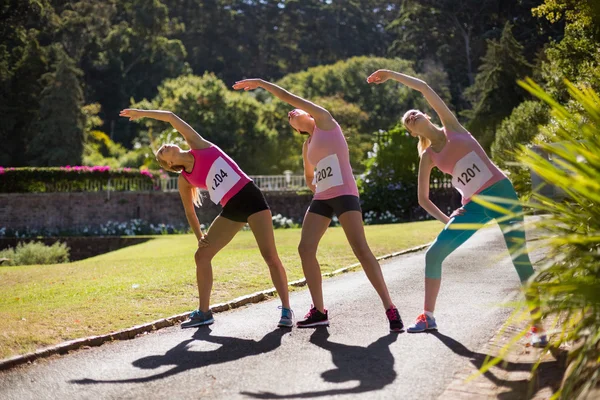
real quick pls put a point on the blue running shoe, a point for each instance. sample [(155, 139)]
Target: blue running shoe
[(422, 324), (198, 318), (538, 337), (287, 318)]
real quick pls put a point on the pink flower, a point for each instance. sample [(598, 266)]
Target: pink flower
[(1, 170)]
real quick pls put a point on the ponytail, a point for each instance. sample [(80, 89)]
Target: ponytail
[(423, 144)]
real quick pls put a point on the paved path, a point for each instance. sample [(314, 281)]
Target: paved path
[(243, 356)]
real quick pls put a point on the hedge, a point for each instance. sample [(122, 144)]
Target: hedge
[(76, 179)]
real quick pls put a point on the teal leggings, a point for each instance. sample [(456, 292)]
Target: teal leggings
[(476, 215)]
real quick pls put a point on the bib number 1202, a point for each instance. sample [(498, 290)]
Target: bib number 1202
[(468, 174), (218, 179)]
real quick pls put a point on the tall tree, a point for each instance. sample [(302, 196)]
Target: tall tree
[(495, 92), (58, 131)]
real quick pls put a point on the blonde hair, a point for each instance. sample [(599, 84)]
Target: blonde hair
[(424, 143), (196, 198)]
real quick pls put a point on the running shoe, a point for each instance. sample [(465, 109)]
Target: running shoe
[(286, 320), (393, 316), (198, 318), (422, 324), (314, 318)]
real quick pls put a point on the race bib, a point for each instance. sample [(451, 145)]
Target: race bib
[(328, 173), (469, 174), (220, 179)]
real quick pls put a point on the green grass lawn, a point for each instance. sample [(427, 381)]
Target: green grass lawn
[(41, 305)]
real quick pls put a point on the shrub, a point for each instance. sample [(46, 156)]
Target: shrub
[(520, 128), (36, 253), (569, 283), (110, 228), (279, 221), (388, 188)]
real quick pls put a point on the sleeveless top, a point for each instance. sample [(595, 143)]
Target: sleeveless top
[(328, 151), (471, 169), (217, 173)]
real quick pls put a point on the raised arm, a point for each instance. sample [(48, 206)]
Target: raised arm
[(425, 167), (322, 117), (447, 117), (193, 139), (309, 169)]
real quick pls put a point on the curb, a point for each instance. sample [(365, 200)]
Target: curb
[(130, 333)]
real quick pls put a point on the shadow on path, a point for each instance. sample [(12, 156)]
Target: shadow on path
[(371, 366), (183, 359), (548, 374)]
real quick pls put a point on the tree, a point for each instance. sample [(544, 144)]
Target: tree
[(495, 92), (231, 120), (58, 131), (136, 55), (22, 61), (575, 57)]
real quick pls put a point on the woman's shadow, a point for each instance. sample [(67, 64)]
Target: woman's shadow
[(183, 359), (371, 366), (548, 374)]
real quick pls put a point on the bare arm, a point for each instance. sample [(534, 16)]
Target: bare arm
[(425, 167), (193, 139), (309, 169), (185, 191), (322, 117), (447, 117)]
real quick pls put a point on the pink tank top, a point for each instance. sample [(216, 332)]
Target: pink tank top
[(217, 173), (471, 169), (328, 152)]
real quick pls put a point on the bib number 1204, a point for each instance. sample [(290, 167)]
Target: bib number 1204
[(468, 174), (218, 179)]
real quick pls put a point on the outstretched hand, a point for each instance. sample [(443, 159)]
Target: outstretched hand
[(379, 76), (247, 84), (131, 113)]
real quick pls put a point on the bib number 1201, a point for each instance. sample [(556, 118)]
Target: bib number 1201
[(468, 174), (218, 179)]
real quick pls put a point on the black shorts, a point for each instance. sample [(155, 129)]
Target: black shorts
[(337, 205), (249, 200)]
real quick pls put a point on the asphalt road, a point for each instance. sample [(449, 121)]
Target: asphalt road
[(244, 356)]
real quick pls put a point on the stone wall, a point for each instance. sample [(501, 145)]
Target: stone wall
[(90, 209), (72, 211)]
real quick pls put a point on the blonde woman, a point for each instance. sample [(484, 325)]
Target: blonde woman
[(207, 167), (453, 150)]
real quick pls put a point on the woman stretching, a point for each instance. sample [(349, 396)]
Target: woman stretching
[(207, 167), (454, 151), (335, 193)]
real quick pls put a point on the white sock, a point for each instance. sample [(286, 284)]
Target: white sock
[(429, 314)]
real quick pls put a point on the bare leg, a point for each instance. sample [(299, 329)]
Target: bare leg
[(352, 223), (262, 228), (432, 288), (219, 235), (313, 229)]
